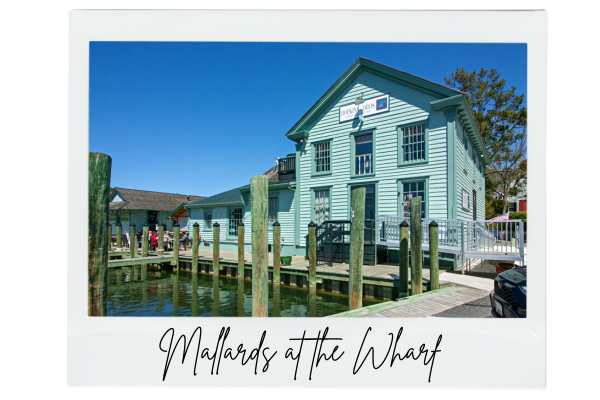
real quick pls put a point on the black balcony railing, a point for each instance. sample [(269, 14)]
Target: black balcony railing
[(286, 165)]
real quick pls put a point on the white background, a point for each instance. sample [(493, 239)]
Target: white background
[(33, 125)]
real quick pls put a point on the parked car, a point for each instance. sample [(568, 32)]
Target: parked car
[(509, 297)]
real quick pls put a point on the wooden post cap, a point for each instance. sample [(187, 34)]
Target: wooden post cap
[(311, 224), (196, 225), (276, 223), (404, 224), (216, 225), (433, 224)]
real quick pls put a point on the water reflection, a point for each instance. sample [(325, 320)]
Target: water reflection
[(179, 294), (194, 296)]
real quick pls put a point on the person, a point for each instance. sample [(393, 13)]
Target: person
[(153, 240), (184, 240)]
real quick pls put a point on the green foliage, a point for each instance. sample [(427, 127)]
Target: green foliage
[(501, 114), (518, 215), (493, 207)]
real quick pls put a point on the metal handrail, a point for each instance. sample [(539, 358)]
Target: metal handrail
[(501, 240)]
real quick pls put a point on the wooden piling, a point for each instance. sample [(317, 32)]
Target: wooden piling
[(434, 265), (195, 244), (241, 299), (357, 245), (132, 241), (99, 166), (416, 246), (161, 239), (312, 259), (175, 259), (276, 253), (403, 273), (145, 241), (109, 236), (216, 300), (119, 235), (240, 254), (259, 191), (216, 265), (276, 301)]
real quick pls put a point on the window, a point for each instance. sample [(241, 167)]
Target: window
[(207, 219), (322, 157), (273, 208), (235, 218), (152, 217), (413, 143), (321, 206), (363, 154), (465, 200), (413, 189)]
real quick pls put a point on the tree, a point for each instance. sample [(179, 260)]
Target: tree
[(502, 118)]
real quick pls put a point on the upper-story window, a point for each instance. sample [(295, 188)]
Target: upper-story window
[(413, 146), (322, 157), (363, 154), (235, 219)]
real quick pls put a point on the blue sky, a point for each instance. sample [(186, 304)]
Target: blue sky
[(201, 118)]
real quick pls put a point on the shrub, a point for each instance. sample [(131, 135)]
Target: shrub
[(518, 215), (286, 260)]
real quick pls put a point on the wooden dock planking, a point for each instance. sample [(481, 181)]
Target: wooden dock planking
[(426, 304)]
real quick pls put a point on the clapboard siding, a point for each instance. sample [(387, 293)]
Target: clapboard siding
[(285, 216), (407, 106), (468, 177)]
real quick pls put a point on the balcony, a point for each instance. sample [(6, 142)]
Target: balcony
[(286, 167)]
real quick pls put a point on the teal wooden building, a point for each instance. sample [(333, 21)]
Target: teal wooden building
[(395, 133)]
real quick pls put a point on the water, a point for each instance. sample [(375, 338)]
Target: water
[(165, 293)]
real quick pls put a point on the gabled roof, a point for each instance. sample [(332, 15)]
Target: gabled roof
[(227, 198), (446, 97), (134, 199), (360, 65)]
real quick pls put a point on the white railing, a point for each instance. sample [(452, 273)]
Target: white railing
[(503, 240), (363, 164)]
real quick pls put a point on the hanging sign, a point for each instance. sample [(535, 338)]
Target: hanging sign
[(371, 106)]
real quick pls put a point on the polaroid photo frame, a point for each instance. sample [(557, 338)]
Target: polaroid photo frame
[(357, 348)]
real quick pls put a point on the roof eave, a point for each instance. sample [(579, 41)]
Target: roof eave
[(273, 186), (216, 204), (459, 102)]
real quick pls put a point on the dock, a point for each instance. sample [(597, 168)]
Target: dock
[(428, 304), (380, 280)]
